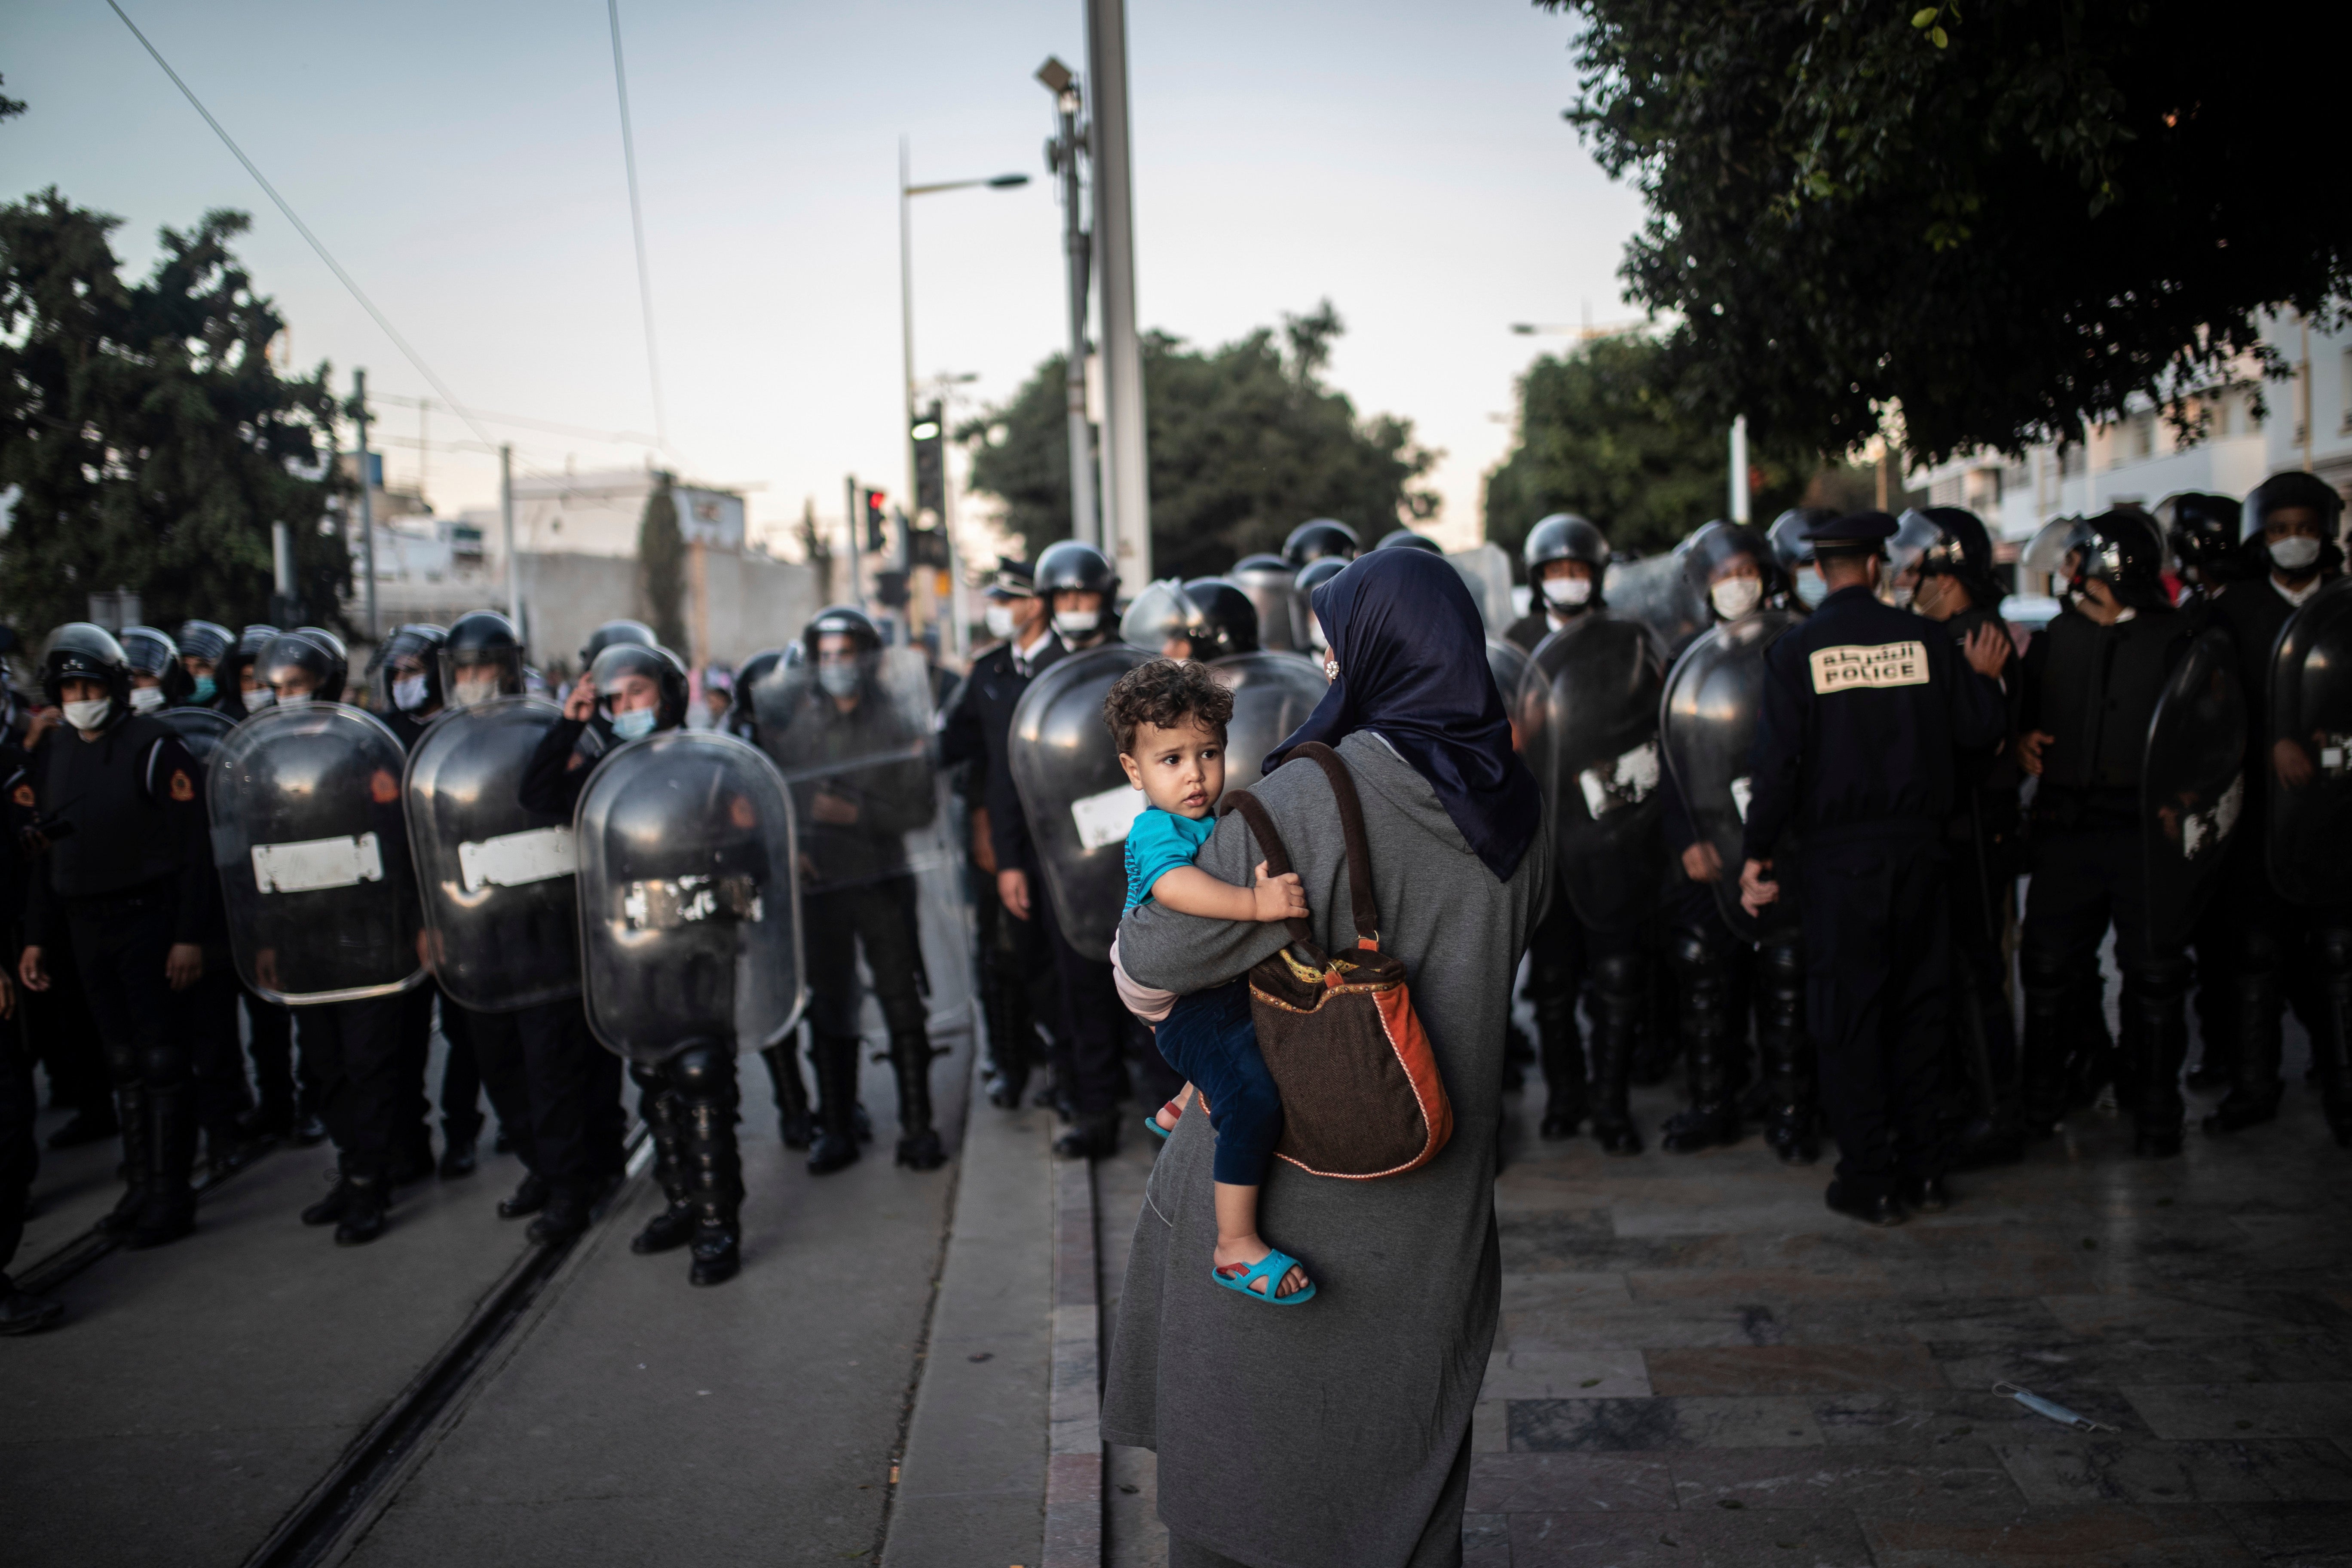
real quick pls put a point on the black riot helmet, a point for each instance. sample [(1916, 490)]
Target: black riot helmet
[(1792, 547), (844, 620), (1320, 539), (613, 632), (1713, 546), (206, 640), (2203, 532), (1406, 539), (481, 659), (2294, 488), (2121, 548), (421, 641), (1564, 536), (150, 651), (1072, 567), (1311, 576), (1945, 541), (1212, 618), (306, 651), (229, 674), (83, 650), (657, 663), (756, 669)]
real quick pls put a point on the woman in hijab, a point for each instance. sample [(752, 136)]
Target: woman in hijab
[(1341, 1437)]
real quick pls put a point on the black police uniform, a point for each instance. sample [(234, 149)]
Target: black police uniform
[(58, 1031), (1984, 836), (132, 879), (1015, 965), (20, 1155), (2095, 688), (1862, 710)]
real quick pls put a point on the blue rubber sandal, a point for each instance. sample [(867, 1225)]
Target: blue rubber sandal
[(1152, 1121), (1270, 1268)]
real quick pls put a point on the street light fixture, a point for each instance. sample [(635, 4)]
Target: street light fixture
[(907, 192)]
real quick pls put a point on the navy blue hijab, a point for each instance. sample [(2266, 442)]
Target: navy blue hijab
[(1412, 665)]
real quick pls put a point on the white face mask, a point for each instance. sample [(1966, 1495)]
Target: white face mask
[(1735, 597), (294, 700), (258, 698), (89, 716), (1811, 589), (471, 693), (999, 622), (1568, 593), (838, 679), (408, 694), (1901, 595), (2295, 552), (637, 722), (1077, 623), (146, 698)]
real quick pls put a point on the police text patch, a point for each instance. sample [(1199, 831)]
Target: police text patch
[(1860, 666)]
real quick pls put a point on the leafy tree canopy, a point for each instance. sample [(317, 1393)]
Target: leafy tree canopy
[(2007, 216), (661, 563), (1246, 442), (1599, 434), (150, 440)]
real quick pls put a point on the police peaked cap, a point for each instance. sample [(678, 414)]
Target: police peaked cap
[(1014, 580), (1855, 529)]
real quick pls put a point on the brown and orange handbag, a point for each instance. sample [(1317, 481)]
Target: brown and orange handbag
[(1361, 1093)]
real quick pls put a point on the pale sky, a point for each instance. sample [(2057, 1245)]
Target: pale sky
[(464, 162)]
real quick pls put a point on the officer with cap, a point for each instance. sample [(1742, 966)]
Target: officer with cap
[(1015, 964), (2093, 680), (1566, 557), (128, 867), (1853, 756)]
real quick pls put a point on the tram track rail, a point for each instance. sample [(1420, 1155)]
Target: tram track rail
[(80, 1253)]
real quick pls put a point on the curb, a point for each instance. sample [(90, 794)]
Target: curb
[(1073, 1466)]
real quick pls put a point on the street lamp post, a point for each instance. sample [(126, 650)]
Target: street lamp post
[(1062, 158), (906, 193)]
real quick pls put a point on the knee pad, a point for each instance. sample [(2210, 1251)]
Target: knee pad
[(2333, 946), (2158, 979), (164, 1066), (1690, 953), (1780, 966), (702, 1070), (1620, 974)]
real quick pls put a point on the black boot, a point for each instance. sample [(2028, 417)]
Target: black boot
[(364, 1204), (2254, 1089), (2158, 1026), (1012, 1032), (564, 1217), (674, 1226), (794, 1124), (137, 1159), (2042, 1092), (705, 1075), (1792, 1076), (461, 1140), (22, 1313), (910, 1061), (329, 1209), (528, 1197), (2216, 1003), (835, 1056), (1712, 1118), (1620, 989), (1093, 1135), (169, 1210), (1567, 1098)]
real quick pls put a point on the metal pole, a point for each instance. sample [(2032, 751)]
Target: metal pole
[(849, 534), (506, 524), (962, 632), (281, 561), (1740, 468), (1126, 488), (1075, 243), (367, 500), (907, 328)]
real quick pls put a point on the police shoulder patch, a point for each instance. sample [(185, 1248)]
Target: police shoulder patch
[(184, 788), (22, 796), (1859, 666)]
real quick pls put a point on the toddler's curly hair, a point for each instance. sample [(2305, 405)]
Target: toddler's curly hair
[(1165, 692)]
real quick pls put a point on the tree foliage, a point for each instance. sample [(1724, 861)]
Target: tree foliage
[(1599, 434), (661, 564), (2009, 217), (149, 440), (1246, 442)]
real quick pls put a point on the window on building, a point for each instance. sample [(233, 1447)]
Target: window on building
[(2346, 397), (2143, 435)]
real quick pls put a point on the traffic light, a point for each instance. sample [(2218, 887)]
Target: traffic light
[(876, 514), (930, 438)]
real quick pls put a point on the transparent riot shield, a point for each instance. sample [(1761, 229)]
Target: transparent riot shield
[(1281, 618), (878, 826), (501, 912), (2193, 786), (1707, 730), (1486, 572), (1273, 695), (201, 730), (1657, 593), (1162, 611), (1078, 802), (1587, 719), (312, 852), (690, 901), (1508, 663), (2310, 771)]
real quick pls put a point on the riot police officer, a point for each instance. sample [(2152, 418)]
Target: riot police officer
[(1015, 964), (2289, 550), (128, 869), (158, 678), (480, 661), (741, 718), (21, 1311), (1320, 539), (1854, 753), (851, 741), (2093, 680), (203, 645), (1792, 547), (1206, 619), (242, 689), (1565, 557), (2207, 539)]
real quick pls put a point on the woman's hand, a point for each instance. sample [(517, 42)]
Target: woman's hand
[(1277, 899)]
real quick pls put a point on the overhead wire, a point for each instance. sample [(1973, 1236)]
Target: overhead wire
[(637, 226)]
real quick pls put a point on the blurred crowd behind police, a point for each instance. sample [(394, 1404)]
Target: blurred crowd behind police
[(1796, 777)]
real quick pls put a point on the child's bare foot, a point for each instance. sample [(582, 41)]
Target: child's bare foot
[(1167, 1115), (1234, 1258)]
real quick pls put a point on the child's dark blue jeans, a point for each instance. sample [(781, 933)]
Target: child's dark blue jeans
[(1208, 1038)]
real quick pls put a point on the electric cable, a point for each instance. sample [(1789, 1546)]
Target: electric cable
[(637, 226)]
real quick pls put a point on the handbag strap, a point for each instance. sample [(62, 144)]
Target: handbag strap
[(1277, 859), (1359, 847)]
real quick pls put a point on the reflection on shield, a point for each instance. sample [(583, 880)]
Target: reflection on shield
[(1588, 718), (1508, 663), (201, 730), (1078, 802), (1657, 591), (877, 827), (312, 853), (1709, 729), (689, 915), (1273, 695), (1281, 614), (500, 909), (1486, 572), (2193, 786), (2311, 713)]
